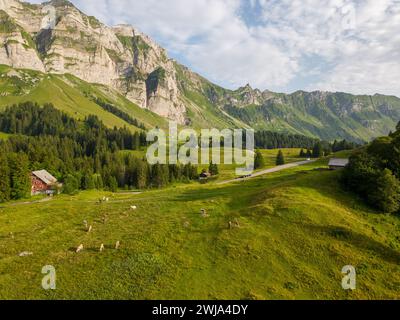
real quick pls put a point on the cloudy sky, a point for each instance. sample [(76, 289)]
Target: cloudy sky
[(280, 45)]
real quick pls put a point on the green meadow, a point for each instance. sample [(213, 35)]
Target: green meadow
[(297, 229)]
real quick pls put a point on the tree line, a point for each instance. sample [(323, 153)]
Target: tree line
[(81, 154), (275, 140), (324, 149), (374, 173), (119, 113)]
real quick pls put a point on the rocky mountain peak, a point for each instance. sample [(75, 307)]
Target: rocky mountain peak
[(60, 3), (120, 57), (124, 59)]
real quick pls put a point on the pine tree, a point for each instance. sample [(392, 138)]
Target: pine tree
[(160, 175), (71, 184), (98, 181), (113, 184), (258, 160), (213, 169), (88, 181), (141, 174), (20, 178), (317, 150), (280, 159), (5, 187)]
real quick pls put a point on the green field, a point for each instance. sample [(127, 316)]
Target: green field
[(297, 230), (227, 172), (4, 136)]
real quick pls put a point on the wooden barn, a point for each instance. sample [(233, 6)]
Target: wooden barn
[(44, 183), (336, 164)]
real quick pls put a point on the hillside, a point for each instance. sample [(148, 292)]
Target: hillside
[(124, 60), (297, 231), (71, 95), (317, 114)]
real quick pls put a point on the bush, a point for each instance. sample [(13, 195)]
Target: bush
[(369, 175), (386, 195)]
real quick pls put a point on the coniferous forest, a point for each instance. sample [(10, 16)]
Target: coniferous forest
[(87, 155), (81, 154)]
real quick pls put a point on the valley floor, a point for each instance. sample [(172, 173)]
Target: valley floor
[(297, 230)]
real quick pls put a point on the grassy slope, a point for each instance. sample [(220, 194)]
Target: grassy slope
[(147, 117), (298, 229), (3, 136), (200, 110), (227, 172), (69, 94)]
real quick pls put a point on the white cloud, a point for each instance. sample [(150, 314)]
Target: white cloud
[(340, 45), (209, 35)]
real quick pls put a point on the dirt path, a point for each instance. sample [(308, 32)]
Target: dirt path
[(267, 171), (30, 202)]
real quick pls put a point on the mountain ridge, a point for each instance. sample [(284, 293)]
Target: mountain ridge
[(130, 62)]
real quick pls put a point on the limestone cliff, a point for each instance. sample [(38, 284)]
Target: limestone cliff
[(120, 56)]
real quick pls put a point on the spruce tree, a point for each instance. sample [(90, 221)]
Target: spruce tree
[(20, 177), (5, 187), (213, 169), (98, 181), (88, 181), (317, 150), (113, 184), (71, 184), (280, 159), (258, 160)]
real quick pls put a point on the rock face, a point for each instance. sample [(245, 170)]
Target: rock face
[(56, 37), (120, 57), (17, 46)]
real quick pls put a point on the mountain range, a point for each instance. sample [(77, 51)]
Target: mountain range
[(82, 61)]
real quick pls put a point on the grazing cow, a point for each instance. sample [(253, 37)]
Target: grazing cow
[(133, 207), (90, 229), (79, 249), (234, 224), (102, 247), (204, 213), (117, 245), (25, 254)]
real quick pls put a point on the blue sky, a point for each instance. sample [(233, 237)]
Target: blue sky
[(279, 45)]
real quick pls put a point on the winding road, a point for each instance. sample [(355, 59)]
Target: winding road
[(267, 171)]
